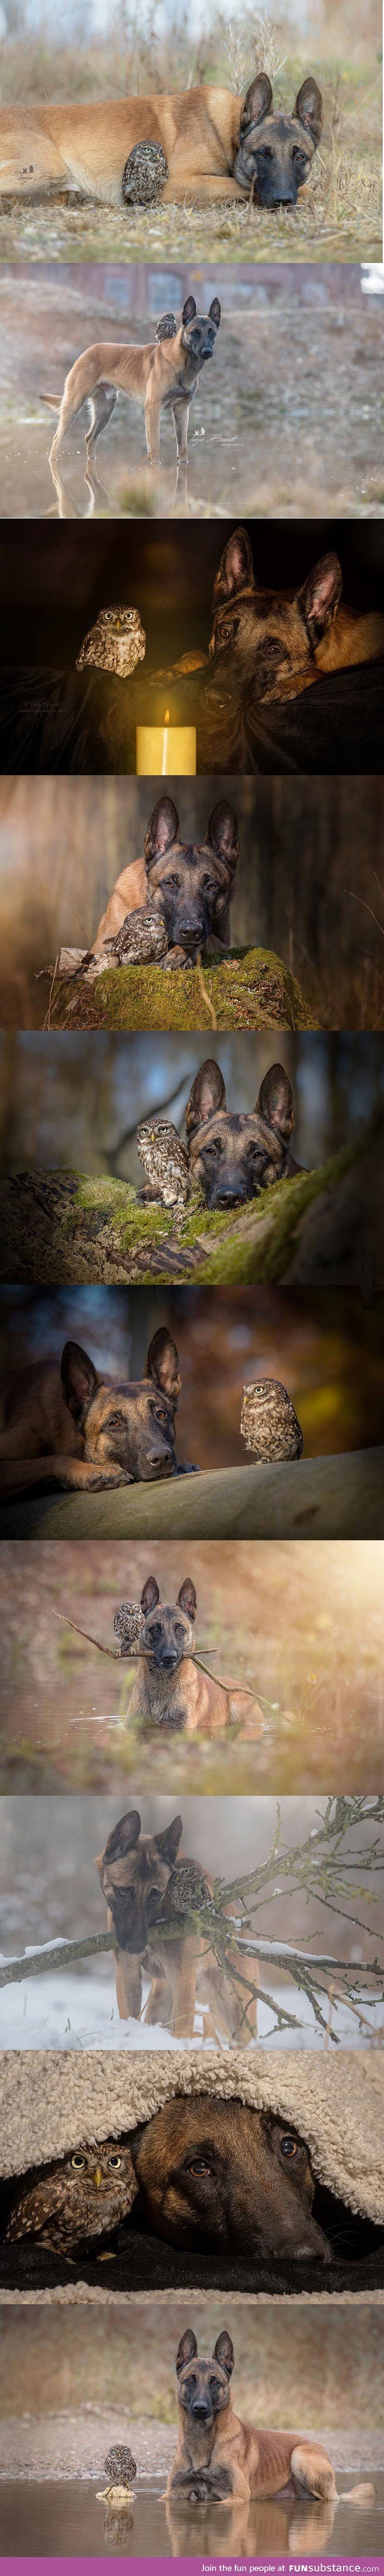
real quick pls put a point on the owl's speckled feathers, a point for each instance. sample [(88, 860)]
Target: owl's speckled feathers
[(82, 2198), (115, 643), (144, 175), (141, 941), (164, 1160), (269, 1423), (120, 2465), (128, 1624)]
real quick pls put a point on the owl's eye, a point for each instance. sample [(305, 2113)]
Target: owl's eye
[(78, 2162), (115, 2160)]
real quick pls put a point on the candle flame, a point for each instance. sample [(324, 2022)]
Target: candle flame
[(166, 717)]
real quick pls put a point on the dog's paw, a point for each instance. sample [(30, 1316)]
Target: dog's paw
[(177, 957), (144, 175), (187, 1470)]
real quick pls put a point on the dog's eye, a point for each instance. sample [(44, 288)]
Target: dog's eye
[(173, 881), (266, 153), (115, 2161), (224, 634), (289, 2146), (78, 2162), (179, 1632), (298, 154), (114, 1421), (198, 2166), (209, 885), (215, 1148), (156, 1629)]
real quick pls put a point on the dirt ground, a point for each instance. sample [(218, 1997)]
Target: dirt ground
[(286, 423)]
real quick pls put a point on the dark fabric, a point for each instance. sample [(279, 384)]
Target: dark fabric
[(85, 721), (144, 2263)]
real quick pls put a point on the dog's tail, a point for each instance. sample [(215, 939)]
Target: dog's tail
[(358, 2495), (54, 400)]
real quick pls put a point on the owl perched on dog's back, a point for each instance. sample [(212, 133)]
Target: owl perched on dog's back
[(82, 2198), (116, 642)]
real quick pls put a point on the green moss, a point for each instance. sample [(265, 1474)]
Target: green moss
[(250, 989)]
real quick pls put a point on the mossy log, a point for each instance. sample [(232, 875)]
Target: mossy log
[(250, 989), (314, 1498), (320, 1228)]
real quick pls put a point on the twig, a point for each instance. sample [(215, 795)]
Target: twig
[(58, 1954), (203, 990), (141, 1654), (47, 1021)]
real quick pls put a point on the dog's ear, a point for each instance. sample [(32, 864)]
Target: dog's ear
[(275, 1101), (163, 829), (123, 1839), (320, 595), (162, 1364), (223, 835), (189, 309), (79, 1379), (215, 312), (235, 568), (309, 108), (258, 102), (186, 2349), (150, 1594), (224, 2352), (168, 1842), (187, 1598), (206, 1096)]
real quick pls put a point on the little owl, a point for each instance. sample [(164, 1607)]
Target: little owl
[(115, 643), (83, 2198)]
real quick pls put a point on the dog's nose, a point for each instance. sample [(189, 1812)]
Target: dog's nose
[(169, 1661), (154, 1457), (229, 1193), (201, 2408), (188, 926)]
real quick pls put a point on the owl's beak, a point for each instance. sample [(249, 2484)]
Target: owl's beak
[(98, 2177)]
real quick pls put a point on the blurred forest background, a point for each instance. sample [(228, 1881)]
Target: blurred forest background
[(85, 1118), (332, 1361), (310, 879), (302, 1624), (123, 2357)]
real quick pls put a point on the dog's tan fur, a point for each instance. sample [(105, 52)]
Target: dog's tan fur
[(132, 1866), (203, 132), (161, 375), (280, 644), (220, 2457), (67, 1425), (186, 1700), (213, 2172), (145, 879)]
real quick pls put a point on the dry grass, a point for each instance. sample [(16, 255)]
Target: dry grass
[(340, 217)]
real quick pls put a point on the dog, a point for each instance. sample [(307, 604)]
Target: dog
[(219, 2459), (137, 1876), (217, 147), (135, 1872), (72, 1427), (162, 376), (170, 1691), (232, 1157), (189, 883), (279, 646), (212, 2174)]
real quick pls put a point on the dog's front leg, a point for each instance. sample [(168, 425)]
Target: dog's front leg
[(180, 412), (152, 416)]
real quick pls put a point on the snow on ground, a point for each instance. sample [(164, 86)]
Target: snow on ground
[(63, 2011)]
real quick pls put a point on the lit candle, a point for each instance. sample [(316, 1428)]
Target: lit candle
[(166, 751)]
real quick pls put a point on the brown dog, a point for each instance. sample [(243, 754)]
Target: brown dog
[(136, 1873), (69, 1426), (219, 2458), (232, 1157), (189, 883), (162, 376), (216, 146), (170, 1691), (214, 2173), (278, 646)]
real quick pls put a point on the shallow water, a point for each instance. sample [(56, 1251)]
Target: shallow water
[(227, 461), (64, 2519)]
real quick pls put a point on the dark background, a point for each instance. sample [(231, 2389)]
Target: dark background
[(53, 580)]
